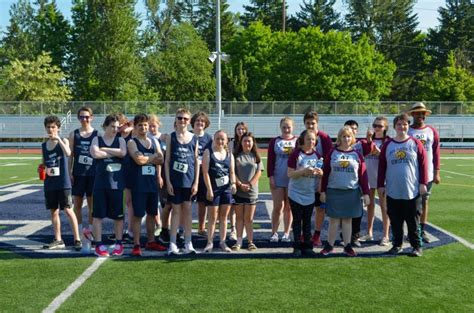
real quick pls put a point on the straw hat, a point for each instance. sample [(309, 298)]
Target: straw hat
[(419, 107)]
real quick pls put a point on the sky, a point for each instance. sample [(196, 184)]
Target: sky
[(427, 10)]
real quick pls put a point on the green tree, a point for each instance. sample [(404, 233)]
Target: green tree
[(181, 72), (37, 80), (105, 51), (317, 13), (454, 33), (206, 22), (450, 83), (269, 12)]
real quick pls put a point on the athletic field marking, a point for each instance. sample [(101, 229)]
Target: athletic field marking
[(465, 165), (21, 182), (13, 164), (458, 158), (16, 194), (459, 239), (460, 174), (20, 158), (18, 236), (13, 177), (459, 185), (63, 296)]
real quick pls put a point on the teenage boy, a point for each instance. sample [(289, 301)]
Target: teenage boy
[(82, 167), (323, 147), (57, 185), (144, 168), (430, 139)]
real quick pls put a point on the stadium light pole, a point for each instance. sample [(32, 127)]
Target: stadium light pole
[(218, 63)]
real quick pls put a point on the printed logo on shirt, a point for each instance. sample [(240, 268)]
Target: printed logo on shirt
[(421, 137), (286, 147), (399, 156), (343, 165)]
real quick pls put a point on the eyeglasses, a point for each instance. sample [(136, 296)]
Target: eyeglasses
[(84, 117), (377, 126), (182, 118)]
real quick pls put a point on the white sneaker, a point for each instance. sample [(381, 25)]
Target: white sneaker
[(285, 238), (274, 238), (244, 234), (224, 247), (208, 247), (233, 235), (384, 242), (366, 238), (173, 249), (188, 248)]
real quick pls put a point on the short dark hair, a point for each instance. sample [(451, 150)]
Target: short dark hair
[(110, 119), (311, 116), (140, 118), (351, 123), (401, 117), (202, 116), (52, 119)]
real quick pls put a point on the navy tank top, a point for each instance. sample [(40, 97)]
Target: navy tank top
[(57, 173), (144, 176), (109, 171), (205, 142), (182, 167), (84, 164), (219, 172)]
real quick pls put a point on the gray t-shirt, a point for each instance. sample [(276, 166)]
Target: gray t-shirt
[(245, 169)]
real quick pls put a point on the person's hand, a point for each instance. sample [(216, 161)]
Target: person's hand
[(366, 200), (436, 178), (53, 136), (194, 189), (245, 187), (161, 181), (381, 191), (209, 195), (369, 135), (233, 189), (318, 172), (322, 197), (169, 187), (272, 182), (308, 171), (423, 189)]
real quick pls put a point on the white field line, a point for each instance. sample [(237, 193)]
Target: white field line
[(20, 158), (20, 182), (63, 296), (458, 158), (455, 173), (459, 239)]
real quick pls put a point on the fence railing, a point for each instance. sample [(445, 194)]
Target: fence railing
[(233, 108)]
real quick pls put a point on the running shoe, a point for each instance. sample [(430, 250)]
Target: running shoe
[(118, 249), (366, 237), (101, 251), (308, 252), (251, 246), (274, 238), (236, 247), (394, 250), (384, 242), (416, 252), (136, 251), (285, 238), (224, 247), (155, 246), (127, 237), (327, 249), (77, 245), (87, 233), (349, 251), (208, 247), (297, 253), (202, 233), (164, 237), (316, 240), (188, 248), (55, 245), (173, 249), (233, 234), (356, 243)]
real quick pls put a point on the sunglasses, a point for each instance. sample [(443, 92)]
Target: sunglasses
[(182, 118), (84, 117), (377, 126)]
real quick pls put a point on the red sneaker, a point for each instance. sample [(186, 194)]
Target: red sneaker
[(155, 246), (136, 251), (118, 249), (101, 251), (316, 240), (349, 251)]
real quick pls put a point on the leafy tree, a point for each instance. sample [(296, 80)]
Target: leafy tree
[(450, 83), (269, 12), (454, 33), (235, 85), (317, 13), (37, 80), (181, 72), (105, 51)]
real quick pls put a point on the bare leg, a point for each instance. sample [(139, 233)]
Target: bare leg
[(56, 224), (202, 213), (73, 222), (212, 215), (371, 213), (187, 218), (150, 227), (97, 228), (118, 228), (319, 218), (89, 208), (136, 227), (385, 218), (332, 231), (175, 218), (249, 211), (287, 215), (278, 196), (239, 212), (346, 230), (166, 216), (78, 208), (223, 213)]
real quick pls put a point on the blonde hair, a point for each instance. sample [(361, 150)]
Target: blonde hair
[(287, 119), (346, 130), (183, 111), (153, 118)]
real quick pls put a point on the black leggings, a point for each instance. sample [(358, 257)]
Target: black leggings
[(400, 211), (302, 220)]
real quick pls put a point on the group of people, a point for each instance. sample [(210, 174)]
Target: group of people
[(131, 164)]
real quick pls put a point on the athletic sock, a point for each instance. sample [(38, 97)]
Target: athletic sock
[(422, 227), (239, 241)]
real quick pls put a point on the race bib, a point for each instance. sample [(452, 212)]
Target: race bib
[(113, 167), (222, 181), (52, 171), (148, 170), (180, 167), (83, 159)]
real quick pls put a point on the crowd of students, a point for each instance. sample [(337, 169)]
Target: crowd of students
[(131, 165)]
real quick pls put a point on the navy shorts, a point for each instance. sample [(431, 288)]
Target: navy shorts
[(83, 185), (58, 199), (108, 203), (220, 198), (145, 202), (202, 190), (240, 200), (317, 202), (180, 195)]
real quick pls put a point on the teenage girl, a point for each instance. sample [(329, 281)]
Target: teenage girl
[(219, 177), (279, 151), (248, 169)]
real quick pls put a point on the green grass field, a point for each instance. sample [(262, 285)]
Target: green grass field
[(441, 280)]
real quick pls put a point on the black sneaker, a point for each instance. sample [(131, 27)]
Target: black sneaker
[(180, 238), (394, 250), (308, 252), (127, 238), (77, 245), (164, 237), (297, 253), (416, 252), (349, 251), (55, 245), (327, 249), (356, 243), (425, 238)]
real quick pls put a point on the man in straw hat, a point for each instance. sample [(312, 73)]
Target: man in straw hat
[(430, 139)]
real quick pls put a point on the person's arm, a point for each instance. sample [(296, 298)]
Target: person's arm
[(326, 143), (367, 147), (205, 173), (422, 167), (63, 143), (194, 188), (95, 151), (363, 180), (117, 152), (167, 166), (233, 184), (71, 158), (436, 157), (136, 155), (271, 156), (382, 170), (254, 180)]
